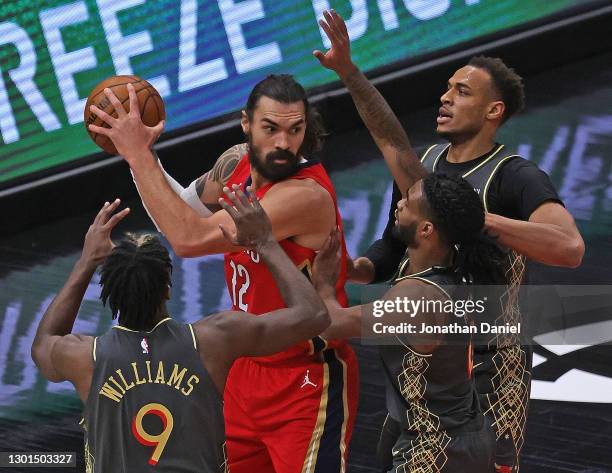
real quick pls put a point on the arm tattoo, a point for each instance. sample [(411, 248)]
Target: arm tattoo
[(225, 165), (200, 183), (221, 172), (383, 124)]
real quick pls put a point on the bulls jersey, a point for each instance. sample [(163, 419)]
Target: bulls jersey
[(152, 405), (502, 366), (429, 393), (250, 283)]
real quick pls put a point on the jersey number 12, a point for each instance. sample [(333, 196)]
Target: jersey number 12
[(237, 298)]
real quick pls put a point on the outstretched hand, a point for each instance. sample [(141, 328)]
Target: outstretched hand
[(127, 132), (338, 57), (253, 227), (98, 243), (326, 265)]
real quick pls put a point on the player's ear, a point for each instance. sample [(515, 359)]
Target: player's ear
[(244, 122), (496, 110), (426, 228)]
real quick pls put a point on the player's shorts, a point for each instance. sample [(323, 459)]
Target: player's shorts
[(291, 416), (468, 451), (389, 434), (503, 380)]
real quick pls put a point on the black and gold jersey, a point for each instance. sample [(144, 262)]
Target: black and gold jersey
[(152, 404), (434, 392)]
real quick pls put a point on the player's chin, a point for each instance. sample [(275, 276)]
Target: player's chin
[(444, 131), (280, 172)]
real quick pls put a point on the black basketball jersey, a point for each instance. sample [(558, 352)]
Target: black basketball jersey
[(480, 176), (501, 365), (152, 405), (431, 393)]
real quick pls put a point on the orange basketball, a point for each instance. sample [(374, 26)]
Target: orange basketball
[(149, 101)]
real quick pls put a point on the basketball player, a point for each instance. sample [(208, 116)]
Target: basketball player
[(430, 390), (151, 386), (522, 207), (293, 411)]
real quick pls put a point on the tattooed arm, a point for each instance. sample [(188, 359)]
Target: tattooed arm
[(378, 117), (202, 194), (210, 185)]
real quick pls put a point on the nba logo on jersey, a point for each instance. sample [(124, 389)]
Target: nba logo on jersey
[(144, 345)]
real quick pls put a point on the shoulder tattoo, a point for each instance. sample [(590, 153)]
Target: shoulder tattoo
[(227, 162)]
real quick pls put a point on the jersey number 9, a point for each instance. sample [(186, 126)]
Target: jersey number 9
[(158, 441)]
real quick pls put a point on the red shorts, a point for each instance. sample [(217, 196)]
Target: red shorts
[(291, 416)]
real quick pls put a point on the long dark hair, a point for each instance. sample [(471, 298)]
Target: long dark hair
[(457, 212), (285, 89), (135, 279)]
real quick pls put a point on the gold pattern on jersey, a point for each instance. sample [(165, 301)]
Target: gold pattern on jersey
[(427, 452), (90, 461), (508, 402)]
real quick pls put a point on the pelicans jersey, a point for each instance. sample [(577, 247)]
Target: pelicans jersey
[(292, 411), (251, 285)]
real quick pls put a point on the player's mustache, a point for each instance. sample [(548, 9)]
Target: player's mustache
[(281, 154)]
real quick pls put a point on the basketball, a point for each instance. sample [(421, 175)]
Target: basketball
[(150, 104)]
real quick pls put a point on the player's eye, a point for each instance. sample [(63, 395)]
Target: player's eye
[(296, 130)]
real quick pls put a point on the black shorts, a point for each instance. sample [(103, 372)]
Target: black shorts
[(470, 450)]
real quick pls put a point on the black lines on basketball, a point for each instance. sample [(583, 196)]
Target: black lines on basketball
[(151, 114)]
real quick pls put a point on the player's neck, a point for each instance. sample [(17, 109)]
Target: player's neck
[(257, 180), (424, 258), (461, 151), (161, 314)]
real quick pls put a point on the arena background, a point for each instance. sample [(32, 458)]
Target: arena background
[(52, 180)]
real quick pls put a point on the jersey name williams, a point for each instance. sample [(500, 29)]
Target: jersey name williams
[(143, 373)]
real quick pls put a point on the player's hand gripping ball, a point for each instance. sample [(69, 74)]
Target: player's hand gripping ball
[(150, 103)]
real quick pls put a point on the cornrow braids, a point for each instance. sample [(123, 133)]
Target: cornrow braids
[(135, 278)]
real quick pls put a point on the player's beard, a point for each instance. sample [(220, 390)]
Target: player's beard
[(406, 234), (267, 168)]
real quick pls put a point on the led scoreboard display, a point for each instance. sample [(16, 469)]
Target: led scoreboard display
[(203, 56)]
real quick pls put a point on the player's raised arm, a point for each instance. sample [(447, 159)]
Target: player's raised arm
[(188, 233), (59, 354), (242, 334), (378, 117)]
